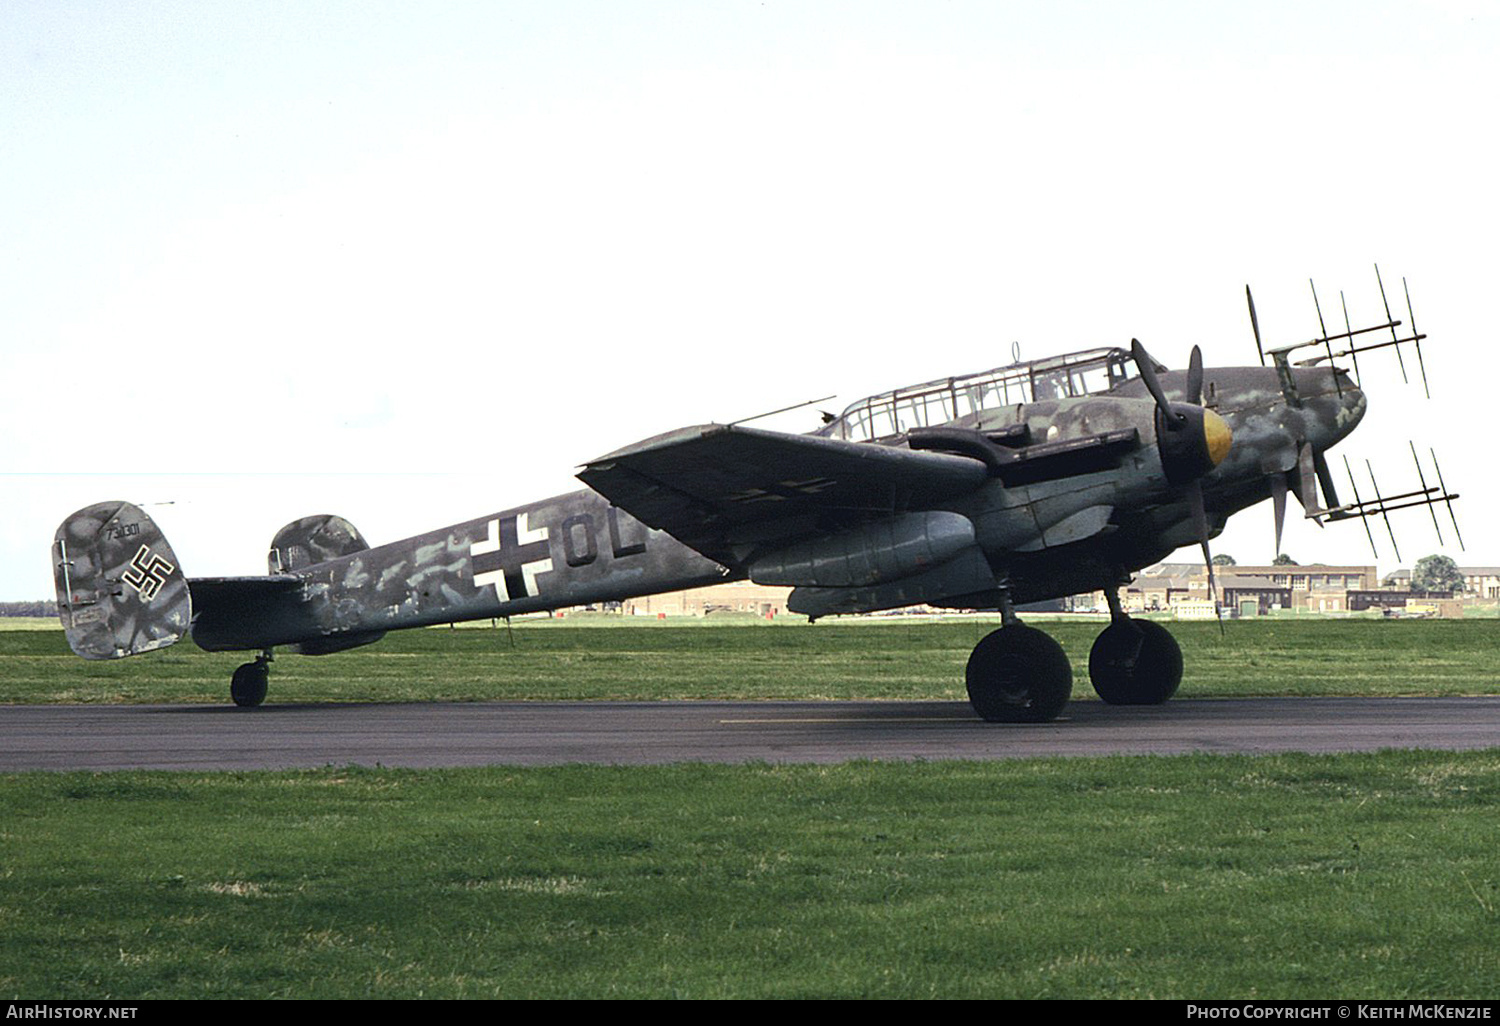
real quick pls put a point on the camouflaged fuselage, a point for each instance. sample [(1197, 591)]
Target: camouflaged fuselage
[(569, 550)]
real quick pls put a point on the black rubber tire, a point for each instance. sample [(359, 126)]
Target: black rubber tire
[(1135, 662), (249, 684), (1018, 674)]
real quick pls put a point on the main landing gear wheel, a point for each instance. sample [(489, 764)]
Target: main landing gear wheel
[(1017, 674), (1135, 662), (248, 686)]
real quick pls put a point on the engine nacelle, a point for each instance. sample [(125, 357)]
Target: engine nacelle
[(887, 550)]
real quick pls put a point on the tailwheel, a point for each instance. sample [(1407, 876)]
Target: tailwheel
[(248, 685), (1135, 662), (1017, 674)]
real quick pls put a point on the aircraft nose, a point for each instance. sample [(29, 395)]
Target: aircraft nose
[(1353, 409), (1217, 436)]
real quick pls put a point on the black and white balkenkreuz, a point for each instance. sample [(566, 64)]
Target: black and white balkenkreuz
[(510, 557)]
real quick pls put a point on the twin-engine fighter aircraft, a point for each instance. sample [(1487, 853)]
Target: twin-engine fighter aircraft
[(1029, 482)]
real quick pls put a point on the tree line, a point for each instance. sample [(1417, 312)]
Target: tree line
[(39, 607)]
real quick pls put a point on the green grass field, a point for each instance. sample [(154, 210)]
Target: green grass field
[(1371, 876), (760, 660)]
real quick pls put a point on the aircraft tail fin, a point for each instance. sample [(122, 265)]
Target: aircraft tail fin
[(313, 540), (120, 587)]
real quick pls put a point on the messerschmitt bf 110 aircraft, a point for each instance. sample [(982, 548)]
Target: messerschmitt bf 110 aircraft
[(1033, 481)]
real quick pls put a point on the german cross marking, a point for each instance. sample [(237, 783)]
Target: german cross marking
[(510, 557)]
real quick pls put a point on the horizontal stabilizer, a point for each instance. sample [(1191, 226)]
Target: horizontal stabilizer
[(120, 587), (237, 613)]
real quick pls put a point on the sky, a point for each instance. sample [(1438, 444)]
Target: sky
[(413, 263)]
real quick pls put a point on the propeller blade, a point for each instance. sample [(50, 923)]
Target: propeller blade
[(1213, 588), (1325, 478), (1194, 494), (1278, 502), (1200, 526), (1307, 483), (1255, 325), (1195, 377), (1147, 367)]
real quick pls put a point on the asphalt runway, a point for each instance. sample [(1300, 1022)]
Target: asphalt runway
[(217, 737)]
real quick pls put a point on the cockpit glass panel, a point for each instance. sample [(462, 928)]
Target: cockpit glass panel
[(1049, 385), (882, 421), (1091, 380), (938, 402)]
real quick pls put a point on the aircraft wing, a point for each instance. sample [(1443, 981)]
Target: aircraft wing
[(726, 490)]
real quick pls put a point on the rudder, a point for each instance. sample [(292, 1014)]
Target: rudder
[(120, 587)]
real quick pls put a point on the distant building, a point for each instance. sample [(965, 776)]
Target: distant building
[(1250, 590), (1481, 582), (1317, 577), (1251, 596), (733, 596), (1392, 599)]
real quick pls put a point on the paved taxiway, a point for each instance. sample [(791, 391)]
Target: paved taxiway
[(550, 733)]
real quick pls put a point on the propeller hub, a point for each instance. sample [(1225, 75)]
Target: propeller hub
[(1192, 441), (1216, 436)]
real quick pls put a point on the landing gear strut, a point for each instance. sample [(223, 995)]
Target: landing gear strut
[(1134, 662), (1017, 674), (248, 685)]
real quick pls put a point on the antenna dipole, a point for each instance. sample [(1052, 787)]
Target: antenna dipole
[(1394, 337), (1422, 479), (1380, 504), (1349, 329), (1411, 319), (1323, 331), (1255, 325), (1447, 498), (1360, 503)]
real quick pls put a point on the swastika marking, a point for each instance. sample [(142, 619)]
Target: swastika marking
[(147, 573)]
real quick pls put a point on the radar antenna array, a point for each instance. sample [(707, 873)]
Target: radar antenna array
[(1281, 356), (1384, 505)]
